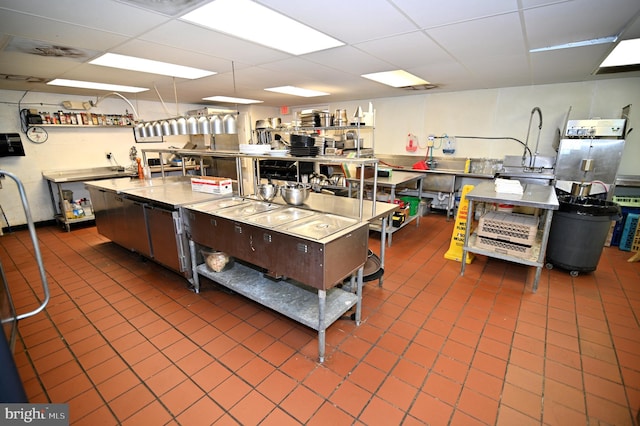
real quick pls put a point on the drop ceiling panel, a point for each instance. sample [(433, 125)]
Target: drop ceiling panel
[(265, 76), (348, 59), (438, 13), (405, 51), (488, 37), (197, 39), (37, 66), (502, 71), (108, 16), (577, 21), (566, 63), (58, 33), (446, 75), (350, 21), (158, 52)]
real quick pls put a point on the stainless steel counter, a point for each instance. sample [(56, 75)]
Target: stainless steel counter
[(79, 175), (537, 196), (172, 195), (121, 184)]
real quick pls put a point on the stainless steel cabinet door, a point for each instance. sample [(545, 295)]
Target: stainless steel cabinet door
[(163, 235)]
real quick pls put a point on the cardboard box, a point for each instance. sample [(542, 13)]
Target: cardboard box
[(368, 172), (211, 185)]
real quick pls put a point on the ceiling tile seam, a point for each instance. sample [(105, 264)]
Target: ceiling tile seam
[(525, 38)]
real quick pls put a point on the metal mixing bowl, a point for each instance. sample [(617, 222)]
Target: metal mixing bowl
[(267, 191), (295, 194)]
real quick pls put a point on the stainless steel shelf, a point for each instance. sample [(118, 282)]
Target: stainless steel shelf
[(84, 126), (317, 309)]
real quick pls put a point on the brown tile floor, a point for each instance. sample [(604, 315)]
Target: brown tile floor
[(124, 341)]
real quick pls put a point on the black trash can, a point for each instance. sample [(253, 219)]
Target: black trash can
[(578, 232)]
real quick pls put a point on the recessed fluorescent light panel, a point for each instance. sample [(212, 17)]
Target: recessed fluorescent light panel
[(232, 100), (397, 78), (627, 52), (296, 91), (97, 86), (592, 42), (132, 63), (259, 24)]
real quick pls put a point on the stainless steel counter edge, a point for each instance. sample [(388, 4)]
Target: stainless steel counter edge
[(628, 180), (79, 175), (537, 196), (237, 154)]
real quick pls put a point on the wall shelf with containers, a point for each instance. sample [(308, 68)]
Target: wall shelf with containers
[(77, 119), (343, 134)]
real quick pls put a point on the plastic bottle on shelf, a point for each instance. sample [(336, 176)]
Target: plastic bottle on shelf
[(140, 169)]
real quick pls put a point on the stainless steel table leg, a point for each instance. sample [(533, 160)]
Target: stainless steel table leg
[(322, 303), (194, 265), (543, 248), (385, 223), (359, 294)]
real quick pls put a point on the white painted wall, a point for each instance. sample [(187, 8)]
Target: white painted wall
[(501, 112)]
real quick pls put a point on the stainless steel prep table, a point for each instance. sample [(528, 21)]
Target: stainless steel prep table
[(541, 197), (396, 179), (143, 216), (60, 177)]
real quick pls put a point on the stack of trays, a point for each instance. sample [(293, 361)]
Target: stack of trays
[(304, 151), (310, 118), (507, 233)]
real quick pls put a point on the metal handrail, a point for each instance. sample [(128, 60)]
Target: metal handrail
[(36, 247)]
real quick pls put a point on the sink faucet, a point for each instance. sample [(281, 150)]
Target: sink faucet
[(532, 159)]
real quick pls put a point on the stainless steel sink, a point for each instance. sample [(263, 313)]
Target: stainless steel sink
[(278, 217), (319, 226)]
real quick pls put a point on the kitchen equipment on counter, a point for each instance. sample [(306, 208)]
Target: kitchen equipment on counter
[(340, 118), (590, 153), (295, 193), (267, 191)]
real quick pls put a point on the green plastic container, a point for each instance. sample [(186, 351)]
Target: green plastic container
[(414, 203)]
